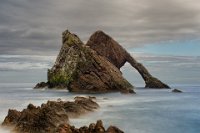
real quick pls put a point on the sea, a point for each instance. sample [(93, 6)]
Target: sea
[(147, 111)]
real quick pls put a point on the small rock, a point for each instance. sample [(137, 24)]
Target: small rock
[(41, 85), (31, 106), (113, 129), (64, 128), (99, 128), (92, 97), (92, 127), (176, 91), (12, 117), (84, 129), (59, 100)]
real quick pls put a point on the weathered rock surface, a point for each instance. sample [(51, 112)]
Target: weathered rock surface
[(93, 128), (80, 69), (41, 85), (114, 129), (176, 91), (107, 47), (49, 116)]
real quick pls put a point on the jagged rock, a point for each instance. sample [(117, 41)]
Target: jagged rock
[(52, 117), (64, 128), (49, 116), (12, 117), (176, 91), (93, 128), (99, 128), (80, 69), (41, 85), (107, 47), (113, 129)]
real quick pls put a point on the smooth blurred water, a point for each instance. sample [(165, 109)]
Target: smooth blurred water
[(148, 111)]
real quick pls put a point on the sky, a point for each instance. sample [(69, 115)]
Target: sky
[(35, 26), (162, 34)]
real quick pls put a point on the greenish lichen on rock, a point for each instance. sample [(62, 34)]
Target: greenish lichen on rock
[(59, 79), (80, 69), (94, 67), (61, 74)]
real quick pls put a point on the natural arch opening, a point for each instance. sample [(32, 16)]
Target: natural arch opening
[(132, 75)]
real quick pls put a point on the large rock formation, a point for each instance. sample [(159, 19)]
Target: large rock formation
[(107, 47), (94, 67), (81, 69)]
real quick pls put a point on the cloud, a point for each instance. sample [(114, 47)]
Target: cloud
[(25, 62), (35, 27)]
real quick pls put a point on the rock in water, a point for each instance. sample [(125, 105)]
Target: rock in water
[(41, 85), (52, 117), (113, 129), (107, 47), (81, 69), (93, 128), (49, 116), (176, 91)]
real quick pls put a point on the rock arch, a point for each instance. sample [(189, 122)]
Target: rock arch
[(94, 67), (107, 47)]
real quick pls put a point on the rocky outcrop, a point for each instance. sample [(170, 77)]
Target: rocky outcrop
[(49, 116), (80, 69), (94, 67), (41, 85), (107, 47), (93, 128)]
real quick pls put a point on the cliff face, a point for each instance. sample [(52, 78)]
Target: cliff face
[(81, 69), (107, 47)]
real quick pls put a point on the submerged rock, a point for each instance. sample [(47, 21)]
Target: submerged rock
[(107, 47), (80, 69), (176, 91), (49, 116)]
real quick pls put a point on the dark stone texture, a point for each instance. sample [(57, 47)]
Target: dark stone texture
[(80, 69), (107, 47), (49, 116)]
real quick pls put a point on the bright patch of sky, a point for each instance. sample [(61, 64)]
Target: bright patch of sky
[(175, 48)]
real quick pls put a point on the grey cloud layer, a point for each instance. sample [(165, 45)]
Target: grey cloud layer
[(35, 26)]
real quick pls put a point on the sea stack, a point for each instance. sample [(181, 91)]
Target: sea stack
[(107, 47), (81, 69), (94, 67)]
